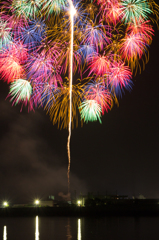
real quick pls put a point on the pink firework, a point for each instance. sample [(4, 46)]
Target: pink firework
[(54, 49), (111, 11), (10, 67), (144, 29), (40, 66), (105, 2), (20, 51), (55, 78), (99, 65), (16, 23), (98, 92), (36, 92), (132, 47), (119, 77)]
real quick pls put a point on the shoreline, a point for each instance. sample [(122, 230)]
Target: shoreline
[(104, 211)]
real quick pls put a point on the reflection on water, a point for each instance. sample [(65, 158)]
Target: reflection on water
[(69, 236), (37, 228), (79, 230), (5, 233), (64, 228), (76, 229)]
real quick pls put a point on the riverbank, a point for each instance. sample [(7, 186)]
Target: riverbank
[(74, 211)]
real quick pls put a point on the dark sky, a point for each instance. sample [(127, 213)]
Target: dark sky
[(118, 156)]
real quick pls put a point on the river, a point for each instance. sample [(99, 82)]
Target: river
[(72, 228)]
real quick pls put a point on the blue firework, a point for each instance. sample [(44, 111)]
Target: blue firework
[(30, 37), (86, 50), (39, 27)]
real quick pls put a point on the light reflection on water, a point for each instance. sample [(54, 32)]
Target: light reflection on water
[(79, 230), (69, 235), (5, 233), (37, 233), (37, 228), (72, 228)]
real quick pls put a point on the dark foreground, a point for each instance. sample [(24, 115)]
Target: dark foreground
[(112, 210)]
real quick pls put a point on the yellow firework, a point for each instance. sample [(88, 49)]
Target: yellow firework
[(60, 111)]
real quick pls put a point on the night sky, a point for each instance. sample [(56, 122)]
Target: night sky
[(118, 156)]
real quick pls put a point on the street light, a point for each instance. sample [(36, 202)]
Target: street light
[(79, 203), (5, 204), (37, 202)]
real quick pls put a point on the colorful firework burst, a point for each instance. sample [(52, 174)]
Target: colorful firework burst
[(119, 78), (97, 90), (10, 67), (20, 92), (133, 10), (109, 37), (44, 41), (90, 110)]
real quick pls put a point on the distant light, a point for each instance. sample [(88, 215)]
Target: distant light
[(5, 204), (78, 202), (37, 202)]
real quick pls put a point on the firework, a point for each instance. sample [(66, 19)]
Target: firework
[(97, 91), (10, 67), (46, 45), (119, 77), (31, 37), (20, 51), (59, 112), (111, 11), (91, 9), (40, 66), (32, 8), (86, 51), (132, 48), (144, 29), (5, 35), (20, 92), (99, 64), (55, 6), (94, 35), (65, 56), (15, 23), (133, 10), (90, 110)]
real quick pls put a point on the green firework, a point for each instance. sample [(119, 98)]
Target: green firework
[(20, 90), (90, 110), (133, 10)]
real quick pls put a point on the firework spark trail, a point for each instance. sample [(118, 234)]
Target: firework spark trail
[(72, 13)]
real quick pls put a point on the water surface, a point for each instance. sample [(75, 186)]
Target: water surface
[(64, 228)]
